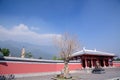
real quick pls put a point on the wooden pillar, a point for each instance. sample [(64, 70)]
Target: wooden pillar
[(92, 63), (104, 63), (109, 62), (98, 63), (112, 62), (86, 63), (82, 63)]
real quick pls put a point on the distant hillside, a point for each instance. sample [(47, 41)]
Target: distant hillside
[(37, 51)]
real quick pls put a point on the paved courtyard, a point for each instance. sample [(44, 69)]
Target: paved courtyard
[(109, 74)]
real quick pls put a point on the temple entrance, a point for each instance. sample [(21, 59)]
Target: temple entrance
[(101, 63), (92, 58), (94, 62), (83, 63), (106, 62), (89, 63)]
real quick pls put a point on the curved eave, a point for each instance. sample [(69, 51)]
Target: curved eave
[(99, 55), (93, 54)]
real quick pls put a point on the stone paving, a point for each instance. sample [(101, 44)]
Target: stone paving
[(109, 74)]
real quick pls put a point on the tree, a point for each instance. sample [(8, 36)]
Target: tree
[(67, 45), (40, 58), (28, 55), (54, 58), (5, 51), (117, 59)]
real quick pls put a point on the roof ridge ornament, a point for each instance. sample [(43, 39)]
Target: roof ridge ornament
[(84, 49), (95, 49)]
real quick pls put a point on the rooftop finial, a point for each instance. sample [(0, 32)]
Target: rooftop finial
[(95, 49), (84, 49)]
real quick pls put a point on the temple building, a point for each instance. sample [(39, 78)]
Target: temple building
[(90, 58)]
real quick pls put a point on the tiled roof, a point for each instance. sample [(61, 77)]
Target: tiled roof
[(92, 52)]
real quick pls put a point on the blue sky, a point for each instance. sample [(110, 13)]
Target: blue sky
[(95, 22)]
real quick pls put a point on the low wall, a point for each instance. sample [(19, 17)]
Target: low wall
[(11, 65), (116, 63)]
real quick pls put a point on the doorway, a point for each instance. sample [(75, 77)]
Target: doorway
[(83, 63), (101, 63)]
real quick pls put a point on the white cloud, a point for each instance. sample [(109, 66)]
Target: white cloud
[(34, 28), (23, 33)]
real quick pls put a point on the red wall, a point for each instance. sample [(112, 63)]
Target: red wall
[(17, 68), (28, 67), (116, 63), (72, 66), (20, 66)]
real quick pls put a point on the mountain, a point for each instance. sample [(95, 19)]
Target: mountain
[(44, 51)]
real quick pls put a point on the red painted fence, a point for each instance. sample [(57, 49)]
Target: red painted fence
[(116, 63), (10, 65)]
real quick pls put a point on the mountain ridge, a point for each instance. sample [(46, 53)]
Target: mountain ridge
[(44, 51)]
